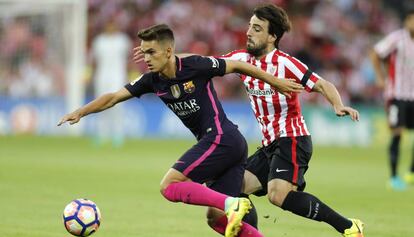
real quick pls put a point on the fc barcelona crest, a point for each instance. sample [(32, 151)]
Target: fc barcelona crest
[(175, 91), (189, 87)]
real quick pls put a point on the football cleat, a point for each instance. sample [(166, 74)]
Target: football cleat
[(409, 178), (235, 212), (356, 230), (397, 184)]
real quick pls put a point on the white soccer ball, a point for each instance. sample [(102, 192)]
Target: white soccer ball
[(81, 217)]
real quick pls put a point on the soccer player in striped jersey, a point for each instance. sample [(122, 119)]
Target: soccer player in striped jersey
[(185, 86), (278, 168), (397, 50)]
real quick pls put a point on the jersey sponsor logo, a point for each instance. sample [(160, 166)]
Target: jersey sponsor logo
[(184, 108), (214, 61), (189, 87), (258, 92), (175, 91), (135, 81)]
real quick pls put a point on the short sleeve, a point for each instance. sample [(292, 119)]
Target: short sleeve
[(237, 55), (295, 69), (211, 66), (388, 44), (141, 85)]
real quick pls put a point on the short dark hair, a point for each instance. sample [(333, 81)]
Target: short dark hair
[(160, 32), (277, 17)]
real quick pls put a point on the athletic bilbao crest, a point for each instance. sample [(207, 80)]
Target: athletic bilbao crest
[(175, 91), (189, 87)]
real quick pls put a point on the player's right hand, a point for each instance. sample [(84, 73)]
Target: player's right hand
[(138, 55), (288, 86), (72, 118)]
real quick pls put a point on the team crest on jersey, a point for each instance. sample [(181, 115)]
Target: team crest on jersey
[(175, 91), (189, 87), (273, 69)]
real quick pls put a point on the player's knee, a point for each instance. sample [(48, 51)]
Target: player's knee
[(166, 190), (216, 219), (163, 187), (277, 195), (211, 217), (276, 198)]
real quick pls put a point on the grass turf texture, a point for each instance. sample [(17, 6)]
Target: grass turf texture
[(40, 175)]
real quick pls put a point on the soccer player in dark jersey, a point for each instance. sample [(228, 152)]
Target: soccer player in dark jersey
[(185, 86), (278, 168)]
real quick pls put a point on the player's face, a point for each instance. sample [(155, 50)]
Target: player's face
[(409, 22), (156, 55), (258, 38)]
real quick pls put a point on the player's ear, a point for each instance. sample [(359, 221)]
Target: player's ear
[(272, 38), (169, 52)]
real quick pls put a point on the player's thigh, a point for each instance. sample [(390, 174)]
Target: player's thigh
[(256, 174), (290, 160), (409, 114), (396, 115), (208, 160), (251, 183), (230, 182)]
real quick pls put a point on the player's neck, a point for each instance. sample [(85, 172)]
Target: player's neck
[(170, 69), (266, 52)]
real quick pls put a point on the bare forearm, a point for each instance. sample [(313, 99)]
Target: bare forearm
[(250, 70), (329, 91), (377, 65), (101, 103)]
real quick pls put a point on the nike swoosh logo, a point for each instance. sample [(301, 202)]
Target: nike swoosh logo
[(278, 170), (237, 208), (359, 230), (161, 93)]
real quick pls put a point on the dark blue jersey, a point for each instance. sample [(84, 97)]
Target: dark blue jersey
[(190, 95)]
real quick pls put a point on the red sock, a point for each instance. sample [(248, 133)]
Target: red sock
[(194, 193), (245, 231)]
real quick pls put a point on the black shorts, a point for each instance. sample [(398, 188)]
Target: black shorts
[(400, 113), (217, 160), (286, 158)]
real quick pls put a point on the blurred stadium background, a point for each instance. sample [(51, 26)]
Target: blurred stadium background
[(46, 71), (46, 59)]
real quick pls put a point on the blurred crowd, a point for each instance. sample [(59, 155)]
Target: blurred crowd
[(331, 36)]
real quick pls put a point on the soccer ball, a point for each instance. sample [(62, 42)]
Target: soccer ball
[(81, 217)]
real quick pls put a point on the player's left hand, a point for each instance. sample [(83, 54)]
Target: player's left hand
[(287, 86), (138, 55), (342, 111), (72, 118)]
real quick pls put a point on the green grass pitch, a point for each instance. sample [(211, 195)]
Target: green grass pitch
[(40, 175)]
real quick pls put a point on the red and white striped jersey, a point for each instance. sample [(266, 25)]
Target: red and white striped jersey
[(399, 47), (278, 116)]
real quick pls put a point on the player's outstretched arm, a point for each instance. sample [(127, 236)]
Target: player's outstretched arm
[(377, 65), (101, 103), (285, 86), (329, 91)]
